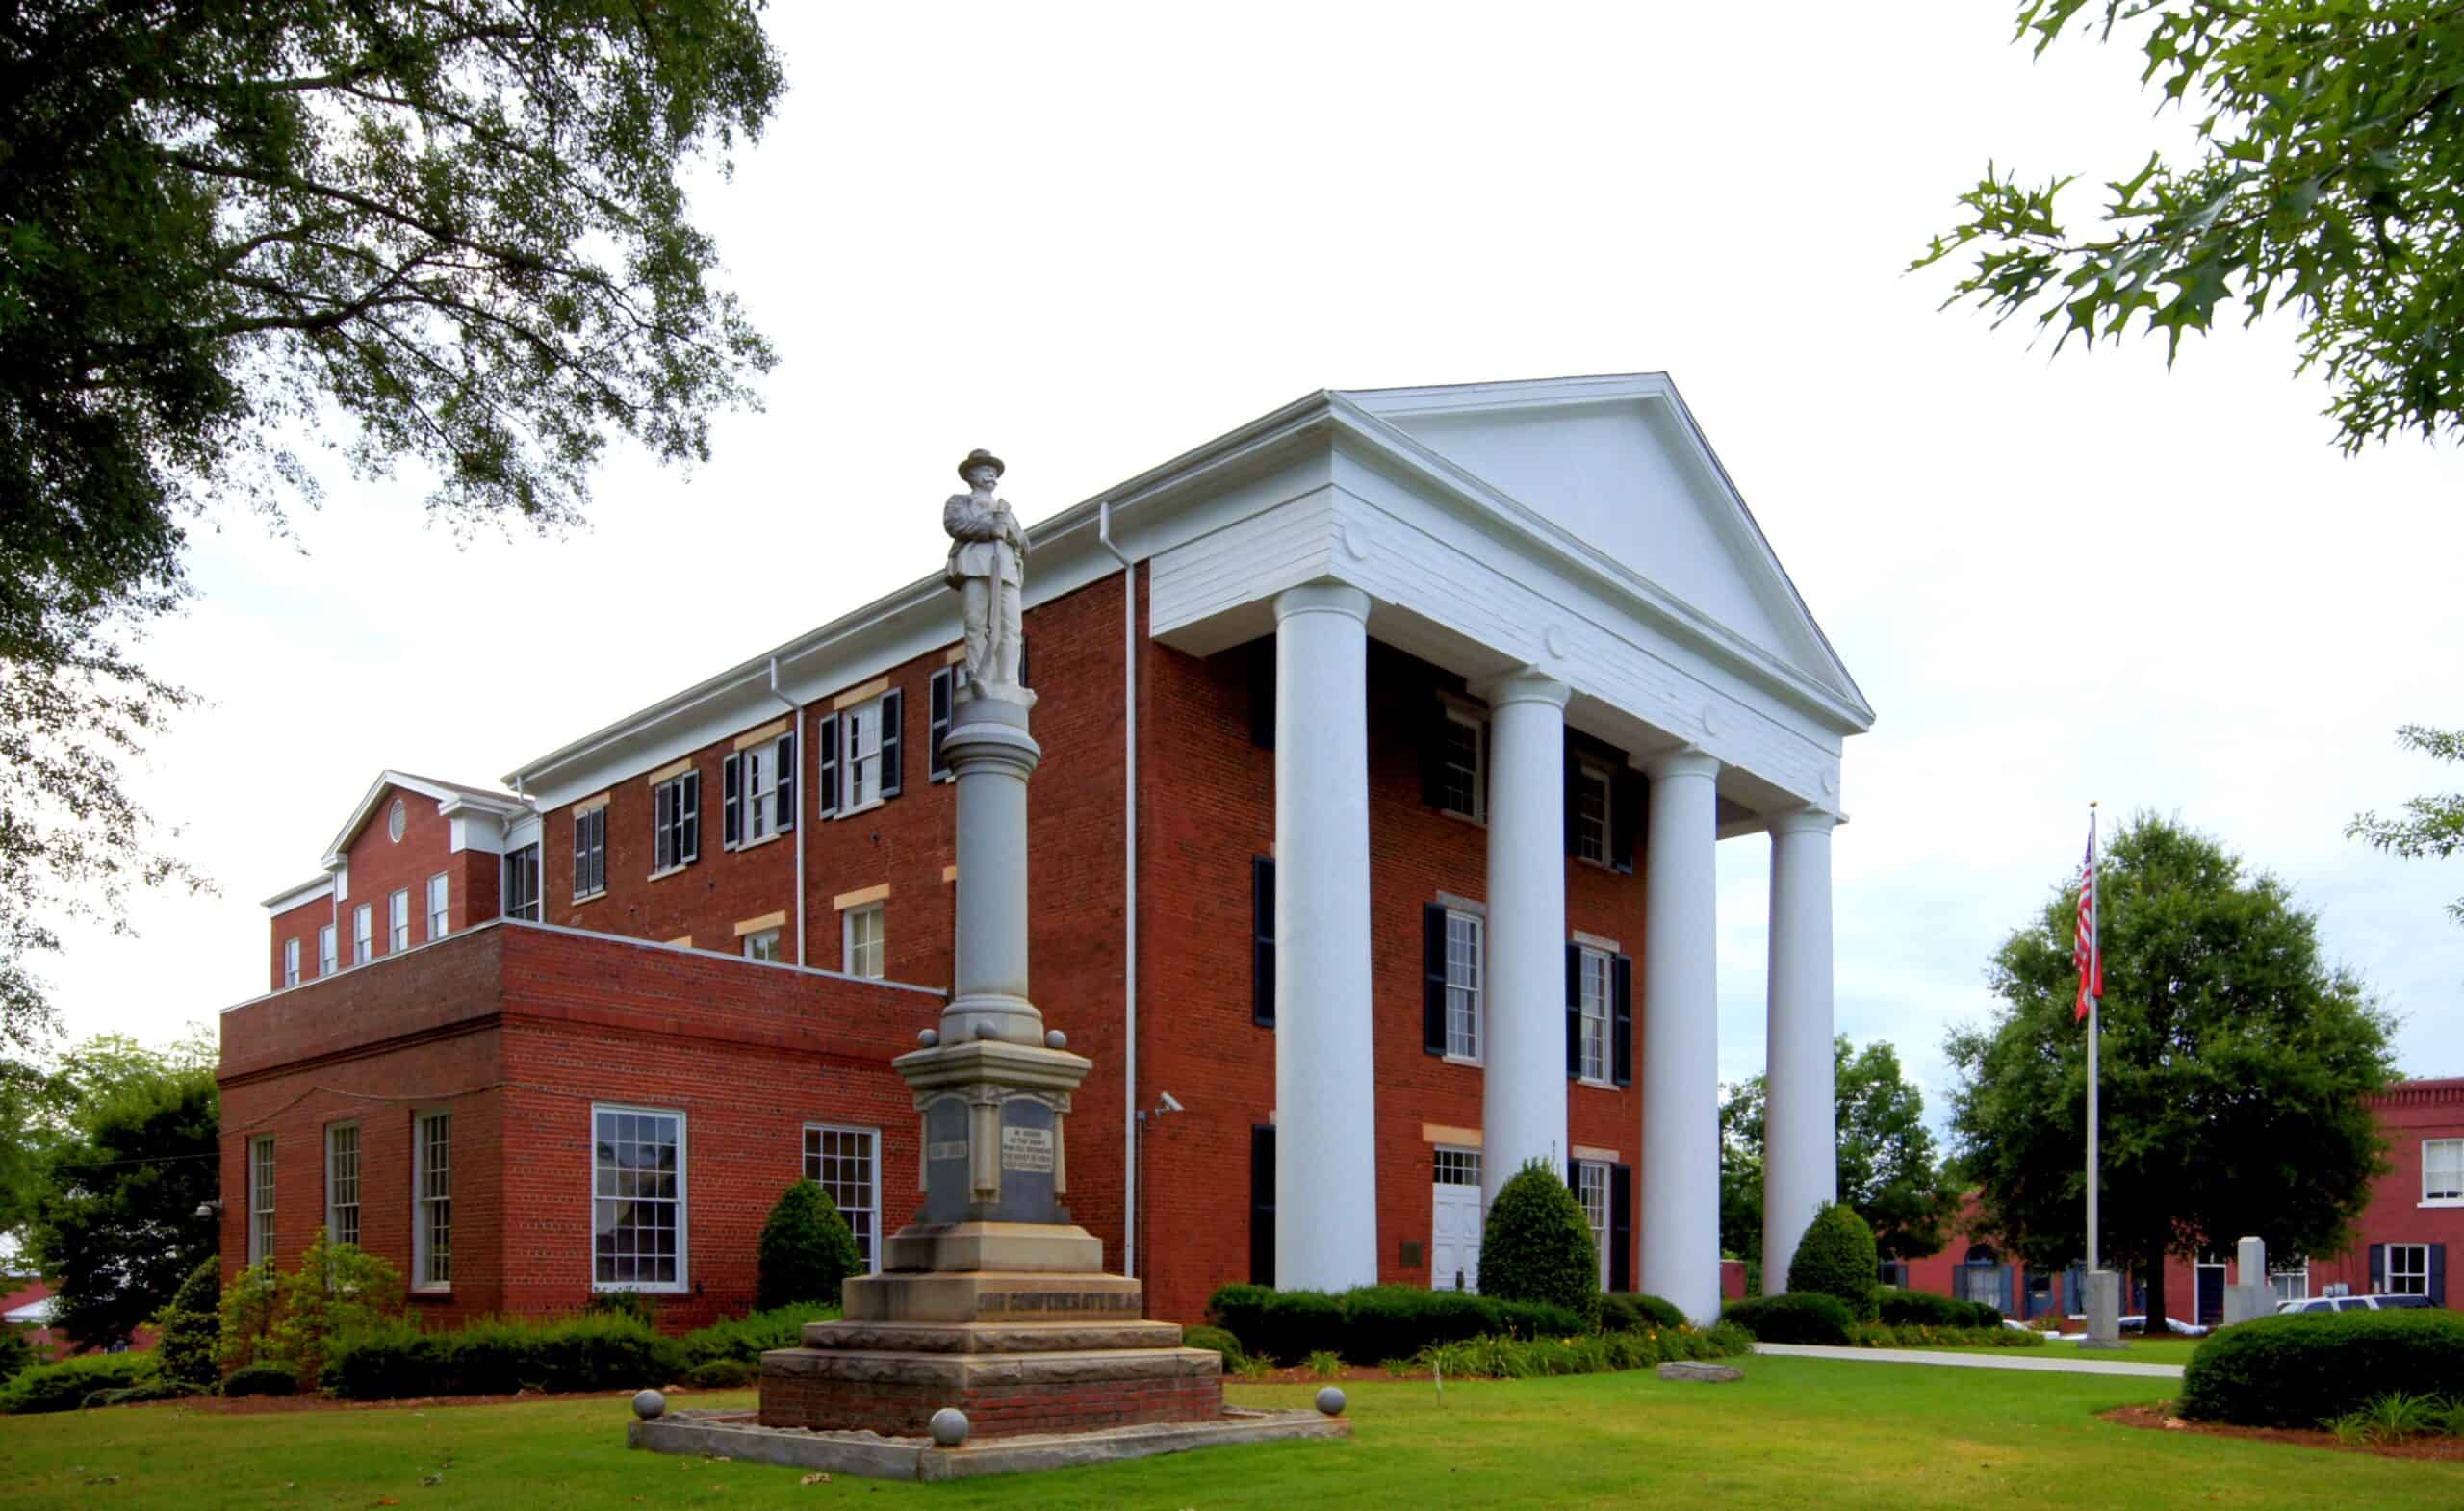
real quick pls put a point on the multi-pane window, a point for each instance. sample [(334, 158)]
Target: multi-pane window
[(866, 941), (2407, 1269), (860, 728), (590, 852), (1591, 1185), (859, 758), (2290, 1284), (1465, 947), (1457, 1167), (1590, 799), (432, 1221), (397, 922), (522, 884), (363, 935), (675, 821), (291, 962), (325, 961), (342, 1182), (1459, 786), (762, 944), (436, 909), (2443, 1169), (1595, 984), (637, 1199), (844, 1160), (260, 1200)]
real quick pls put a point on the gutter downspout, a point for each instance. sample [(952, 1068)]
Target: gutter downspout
[(803, 808), (1129, 887)]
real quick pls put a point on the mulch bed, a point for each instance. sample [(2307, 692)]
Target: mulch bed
[(2160, 1417)]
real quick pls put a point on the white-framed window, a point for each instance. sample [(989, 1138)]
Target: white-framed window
[(590, 852), (397, 922), (437, 912), (762, 944), (2407, 1269), (522, 884), (1455, 1166), (291, 962), (342, 1182), (260, 1198), (325, 961), (637, 1199), (1590, 799), (1596, 982), (860, 728), (758, 792), (1466, 952), (675, 821), (866, 940), (432, 1214), (363, 935), (859, 762), (1460, 784), (2442, 1172), (2291, 1284), (846, 1162), (1591, 1186)]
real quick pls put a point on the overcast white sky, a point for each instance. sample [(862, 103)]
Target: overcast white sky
[(1088, 239)]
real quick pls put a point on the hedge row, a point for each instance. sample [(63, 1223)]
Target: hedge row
[(1918, 1334), (1923, 1308), (72, 1383), (1371, 1325), (590, 1353), (1598, 1354), (2304, 1368)]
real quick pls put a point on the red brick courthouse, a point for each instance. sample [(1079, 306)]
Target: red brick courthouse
[(577, 1031)]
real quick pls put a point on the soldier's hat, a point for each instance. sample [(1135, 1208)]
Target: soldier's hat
[(979, 457)]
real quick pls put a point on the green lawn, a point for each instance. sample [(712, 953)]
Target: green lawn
[(2134, 1350), (1797, 1432)]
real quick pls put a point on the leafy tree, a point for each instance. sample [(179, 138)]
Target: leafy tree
[(807, 1251), (1837, 1258), (39, 1106), (189, 1329), (339, 1289), (447, 231), (2234, 1064), (2432, 826), (2328, 177), (1890, 1165), (1536, 1244), (116, 1221)]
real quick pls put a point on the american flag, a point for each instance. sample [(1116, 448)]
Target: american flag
[(2085, 948)]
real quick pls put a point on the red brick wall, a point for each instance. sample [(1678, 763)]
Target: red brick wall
[(300, 923), (380, 866)]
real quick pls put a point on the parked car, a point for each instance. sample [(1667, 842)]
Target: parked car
[(2351, 1304)]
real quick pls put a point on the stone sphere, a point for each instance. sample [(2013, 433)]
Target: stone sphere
[(650, 1406), (929, 1037), (985, 1029), (1330, 1400), (949, 1426), (1054, 1039)]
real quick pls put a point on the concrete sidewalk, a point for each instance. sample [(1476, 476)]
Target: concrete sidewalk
[(1980, 1359)]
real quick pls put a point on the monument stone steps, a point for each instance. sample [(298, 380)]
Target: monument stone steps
[(991, 1338)]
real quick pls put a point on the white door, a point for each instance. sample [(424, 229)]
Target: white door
[(1455, 1221)]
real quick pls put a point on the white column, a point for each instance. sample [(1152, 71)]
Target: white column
[(1325, 1175), (1681, 1070), (1800, 1148), (1523, 1083)]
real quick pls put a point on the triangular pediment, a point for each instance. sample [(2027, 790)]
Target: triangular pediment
[(1619, 465)]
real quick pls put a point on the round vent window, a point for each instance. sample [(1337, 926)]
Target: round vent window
[(394, 820)]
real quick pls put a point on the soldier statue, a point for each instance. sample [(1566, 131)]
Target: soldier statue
[(987, 560)]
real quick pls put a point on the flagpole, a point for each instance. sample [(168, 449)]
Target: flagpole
[(2095, 967)]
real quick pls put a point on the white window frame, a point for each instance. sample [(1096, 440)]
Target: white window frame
[(1591, 1189), (1586, 775), (261, 1232), (397, 921), (2446, 1188), (1455, 1165), (590, 852), (431, 1200), (859, 757), (683, 1281), (676, 823), (2298, 1274), (1596, 1050), (1466, 986), (326, 958), (291, 962), (343, 1181), (763, 944), (1479, 810), (759, 787), (876, 917), (363, 934), (868, 1241), (2416, 1273), (439, 894)]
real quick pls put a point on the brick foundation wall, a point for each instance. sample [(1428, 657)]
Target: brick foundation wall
[(897, 1409)]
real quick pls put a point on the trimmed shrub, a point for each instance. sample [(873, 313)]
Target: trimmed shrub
[(190, 1347), (635, 1304), (1981, 1314), (1296, 1325), (1541, 1319), (16, 1353), (722, 1374), (806, 1252), (1621, 1313), (262, 1379), (339, 1289), (1241, 1310), (68, 1384), (1537, 1246), (1727, 1339), (1898, 1308), (746, 1339), (1382, 1322), (2300, 1370), (1837, 1258), (499, 1357), (1215, 1340), (1371, 1325), (1799, 1316)]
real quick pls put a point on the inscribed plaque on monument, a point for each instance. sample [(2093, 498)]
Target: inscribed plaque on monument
[(946, 1177), (1026, 1149)]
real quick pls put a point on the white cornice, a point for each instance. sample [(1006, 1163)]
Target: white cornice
[(449, 799), (298, 896)]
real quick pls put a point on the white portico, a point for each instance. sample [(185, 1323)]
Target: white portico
[(1572, 550)]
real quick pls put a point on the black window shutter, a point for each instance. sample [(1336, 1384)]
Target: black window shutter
[(1574, 1012), (1262, 1204), (1262, 940), (662, 826), (826, 802), (1433, 978), (1625, 817), (732, 802), (937, 709), (2438, 1275), (1025, 645), (784, 753), (1572, 799), (581, 857), (1574, 1180), (689, 795), (1622, 1019), (1621, 1227), (893, 731), (1261, 672), (2378, 1268), (1433, 739)]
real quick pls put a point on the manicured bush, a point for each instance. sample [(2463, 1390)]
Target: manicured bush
[(262, 1379), (339, 1289), (635, 1304), (1620, 1312), (722, 1374), (1240, 1309), (748, 1338), (1382, 1322), (806, 1252), (1542, 1320), (189, 1347), (1799, 1316), (1500, 1358), (1837, 1258), (1922, 1307), (1727, 1339), (1537, 1246), (2303, 1368), (1982, 1314), (1217, 1340), (1919, 1334), (1296, 1325), (68, 1384), (499, 1357)]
